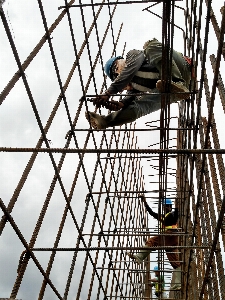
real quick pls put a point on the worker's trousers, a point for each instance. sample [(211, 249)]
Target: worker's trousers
[(141, 106), (180, 69), (167, 240), (164, 240)]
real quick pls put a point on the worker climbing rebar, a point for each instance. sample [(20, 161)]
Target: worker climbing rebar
[(168, 223), (159, 283), (139, 73)]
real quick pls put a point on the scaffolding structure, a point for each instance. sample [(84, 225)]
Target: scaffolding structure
[(73, 211)]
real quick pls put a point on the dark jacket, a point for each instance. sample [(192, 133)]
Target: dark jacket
[(167, 220), (137, 72)]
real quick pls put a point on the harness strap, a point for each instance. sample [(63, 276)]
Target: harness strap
[(189, 61), (171, 227)]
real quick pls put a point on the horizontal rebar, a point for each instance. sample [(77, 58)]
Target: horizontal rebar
[(140, 129), (140, 297), (111, 3), (99, 151), (135, 234), (119, 248), (137, 230), (142, 271)]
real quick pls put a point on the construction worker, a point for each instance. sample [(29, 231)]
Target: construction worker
[(159, 284), (168, 223), (139, 72)]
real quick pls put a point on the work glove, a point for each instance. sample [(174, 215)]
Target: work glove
[(143, 199), (101, 100), (113, 105)]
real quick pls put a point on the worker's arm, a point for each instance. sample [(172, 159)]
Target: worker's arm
[(115, 105), (148, 208), (134, 60), (153, 281)]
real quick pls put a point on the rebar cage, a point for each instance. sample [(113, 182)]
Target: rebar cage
[(70, 194)]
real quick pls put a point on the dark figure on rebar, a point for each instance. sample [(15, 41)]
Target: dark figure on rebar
[(159, 283), (168, 223), (140, 72)]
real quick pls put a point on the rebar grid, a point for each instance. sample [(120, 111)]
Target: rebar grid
[(102, 216)]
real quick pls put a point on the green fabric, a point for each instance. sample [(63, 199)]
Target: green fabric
[(179, 71), (156, 284)]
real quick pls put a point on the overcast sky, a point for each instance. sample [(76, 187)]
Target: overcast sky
[(19, 128)]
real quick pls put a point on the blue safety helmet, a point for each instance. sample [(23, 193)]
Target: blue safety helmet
[(109, 64), (156, 268), (167, 201)]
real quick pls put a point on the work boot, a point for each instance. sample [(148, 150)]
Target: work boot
[(177, 279), (177, 88), (134, 257), (96, 121), (140, 256)]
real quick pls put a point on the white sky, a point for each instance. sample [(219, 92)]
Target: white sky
[(18, 126)]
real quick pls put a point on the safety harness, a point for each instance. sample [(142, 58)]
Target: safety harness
[(167, 227), (145, 78)]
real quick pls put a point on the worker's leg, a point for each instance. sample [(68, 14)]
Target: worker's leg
[(177, 279), (143, 253), (140, 256), (173, 254), (164, 295), (180, 69), (173, 257), (142, 106)]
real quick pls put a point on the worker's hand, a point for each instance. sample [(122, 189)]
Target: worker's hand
[(101, 100), (114, 105), (143, 199)]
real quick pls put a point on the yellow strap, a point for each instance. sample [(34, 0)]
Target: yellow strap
[(167, 214), (157, 286), (168, 227), (171, 226), (163, 218)]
